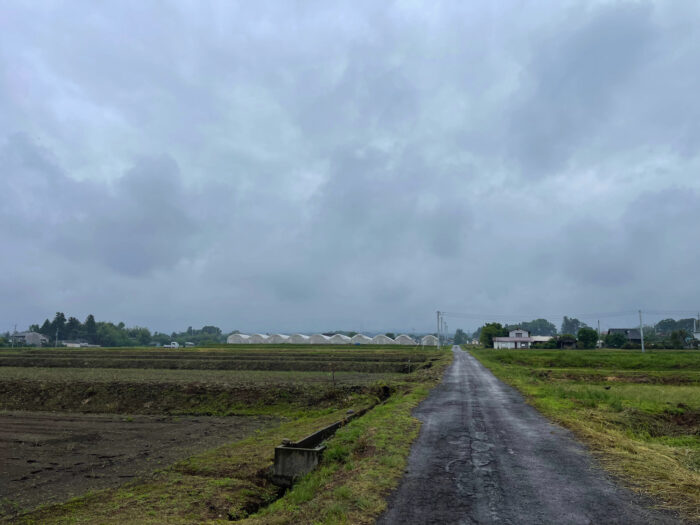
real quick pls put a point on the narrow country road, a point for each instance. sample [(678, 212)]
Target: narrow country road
[(484, 456)]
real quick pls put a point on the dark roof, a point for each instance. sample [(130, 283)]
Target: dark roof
[(630, 333)]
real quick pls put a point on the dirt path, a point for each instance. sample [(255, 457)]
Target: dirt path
[(484, 456), (49, 457)]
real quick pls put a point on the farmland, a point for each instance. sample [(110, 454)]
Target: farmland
[(640, 413), (94, 419)]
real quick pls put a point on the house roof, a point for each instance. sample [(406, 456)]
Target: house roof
[(513, 339)]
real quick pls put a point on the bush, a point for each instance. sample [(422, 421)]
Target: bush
[(615, 340), (587, 337)]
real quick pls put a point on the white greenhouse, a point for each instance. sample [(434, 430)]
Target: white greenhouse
[(339, 339), (382, 339), (299, 339), (238, 339), (277, 339), (404, 339), (429, 340), (258, 339), (360, 339), (318, 339)]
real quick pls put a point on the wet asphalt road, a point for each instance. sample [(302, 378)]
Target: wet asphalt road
[(484, 456)]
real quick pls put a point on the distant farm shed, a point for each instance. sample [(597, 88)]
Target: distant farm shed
[(339, 339), (360, 339), (382, 340), (319, 339), (404, 339), (299, 339), (258, 339), (238, 339), (276, 339), (429, 340)]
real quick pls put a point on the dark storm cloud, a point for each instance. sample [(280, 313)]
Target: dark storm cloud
[(135, 225), (282, 166)]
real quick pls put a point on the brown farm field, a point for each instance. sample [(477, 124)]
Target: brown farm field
[(80, 422)]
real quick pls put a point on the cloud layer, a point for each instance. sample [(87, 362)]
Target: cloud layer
[(284, 166)]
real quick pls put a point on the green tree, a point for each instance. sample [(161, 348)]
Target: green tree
[(615, 340), (73, 329), (489, 331), (666, 326), (678, 338), (539, 327), (587, 337), (46, 328), (460, 337), (90, 328), (571, 325), (59, 323)]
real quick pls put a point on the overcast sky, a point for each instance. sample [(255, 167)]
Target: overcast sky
[(284, 166)]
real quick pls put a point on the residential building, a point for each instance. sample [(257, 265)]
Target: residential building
[(29, 339), (516, 339)]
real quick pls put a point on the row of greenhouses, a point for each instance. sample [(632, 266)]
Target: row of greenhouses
[(335, 339)]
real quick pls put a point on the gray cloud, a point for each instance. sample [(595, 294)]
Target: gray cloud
[(275, 166)]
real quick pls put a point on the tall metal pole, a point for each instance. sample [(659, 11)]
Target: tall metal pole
[(641, 329), (438, 328)]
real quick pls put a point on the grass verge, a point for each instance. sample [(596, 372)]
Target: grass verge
[(643, 427)]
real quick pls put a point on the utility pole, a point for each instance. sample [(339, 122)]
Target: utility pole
[(56, 344), (13, 337), (438, 328), (641, 329)]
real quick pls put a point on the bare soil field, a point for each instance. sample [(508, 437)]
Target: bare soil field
[(49, 457)]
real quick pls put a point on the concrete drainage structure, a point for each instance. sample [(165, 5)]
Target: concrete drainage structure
[(294, 459)]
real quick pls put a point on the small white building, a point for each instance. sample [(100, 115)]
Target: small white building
[(382, 339), (429, 340), (404, 339), (299, 339), (516, 339), (238, 339), (360, 339)]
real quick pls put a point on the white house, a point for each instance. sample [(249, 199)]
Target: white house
[(404, 339), (238, 339), (429, 340), (516, 339), (360, 339)]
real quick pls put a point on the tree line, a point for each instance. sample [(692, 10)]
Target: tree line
[(104, 333), (667, 333)]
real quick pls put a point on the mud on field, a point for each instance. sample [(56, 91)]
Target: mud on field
[(50, 457)]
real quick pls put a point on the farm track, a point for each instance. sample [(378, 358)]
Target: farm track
[(484, 456)]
